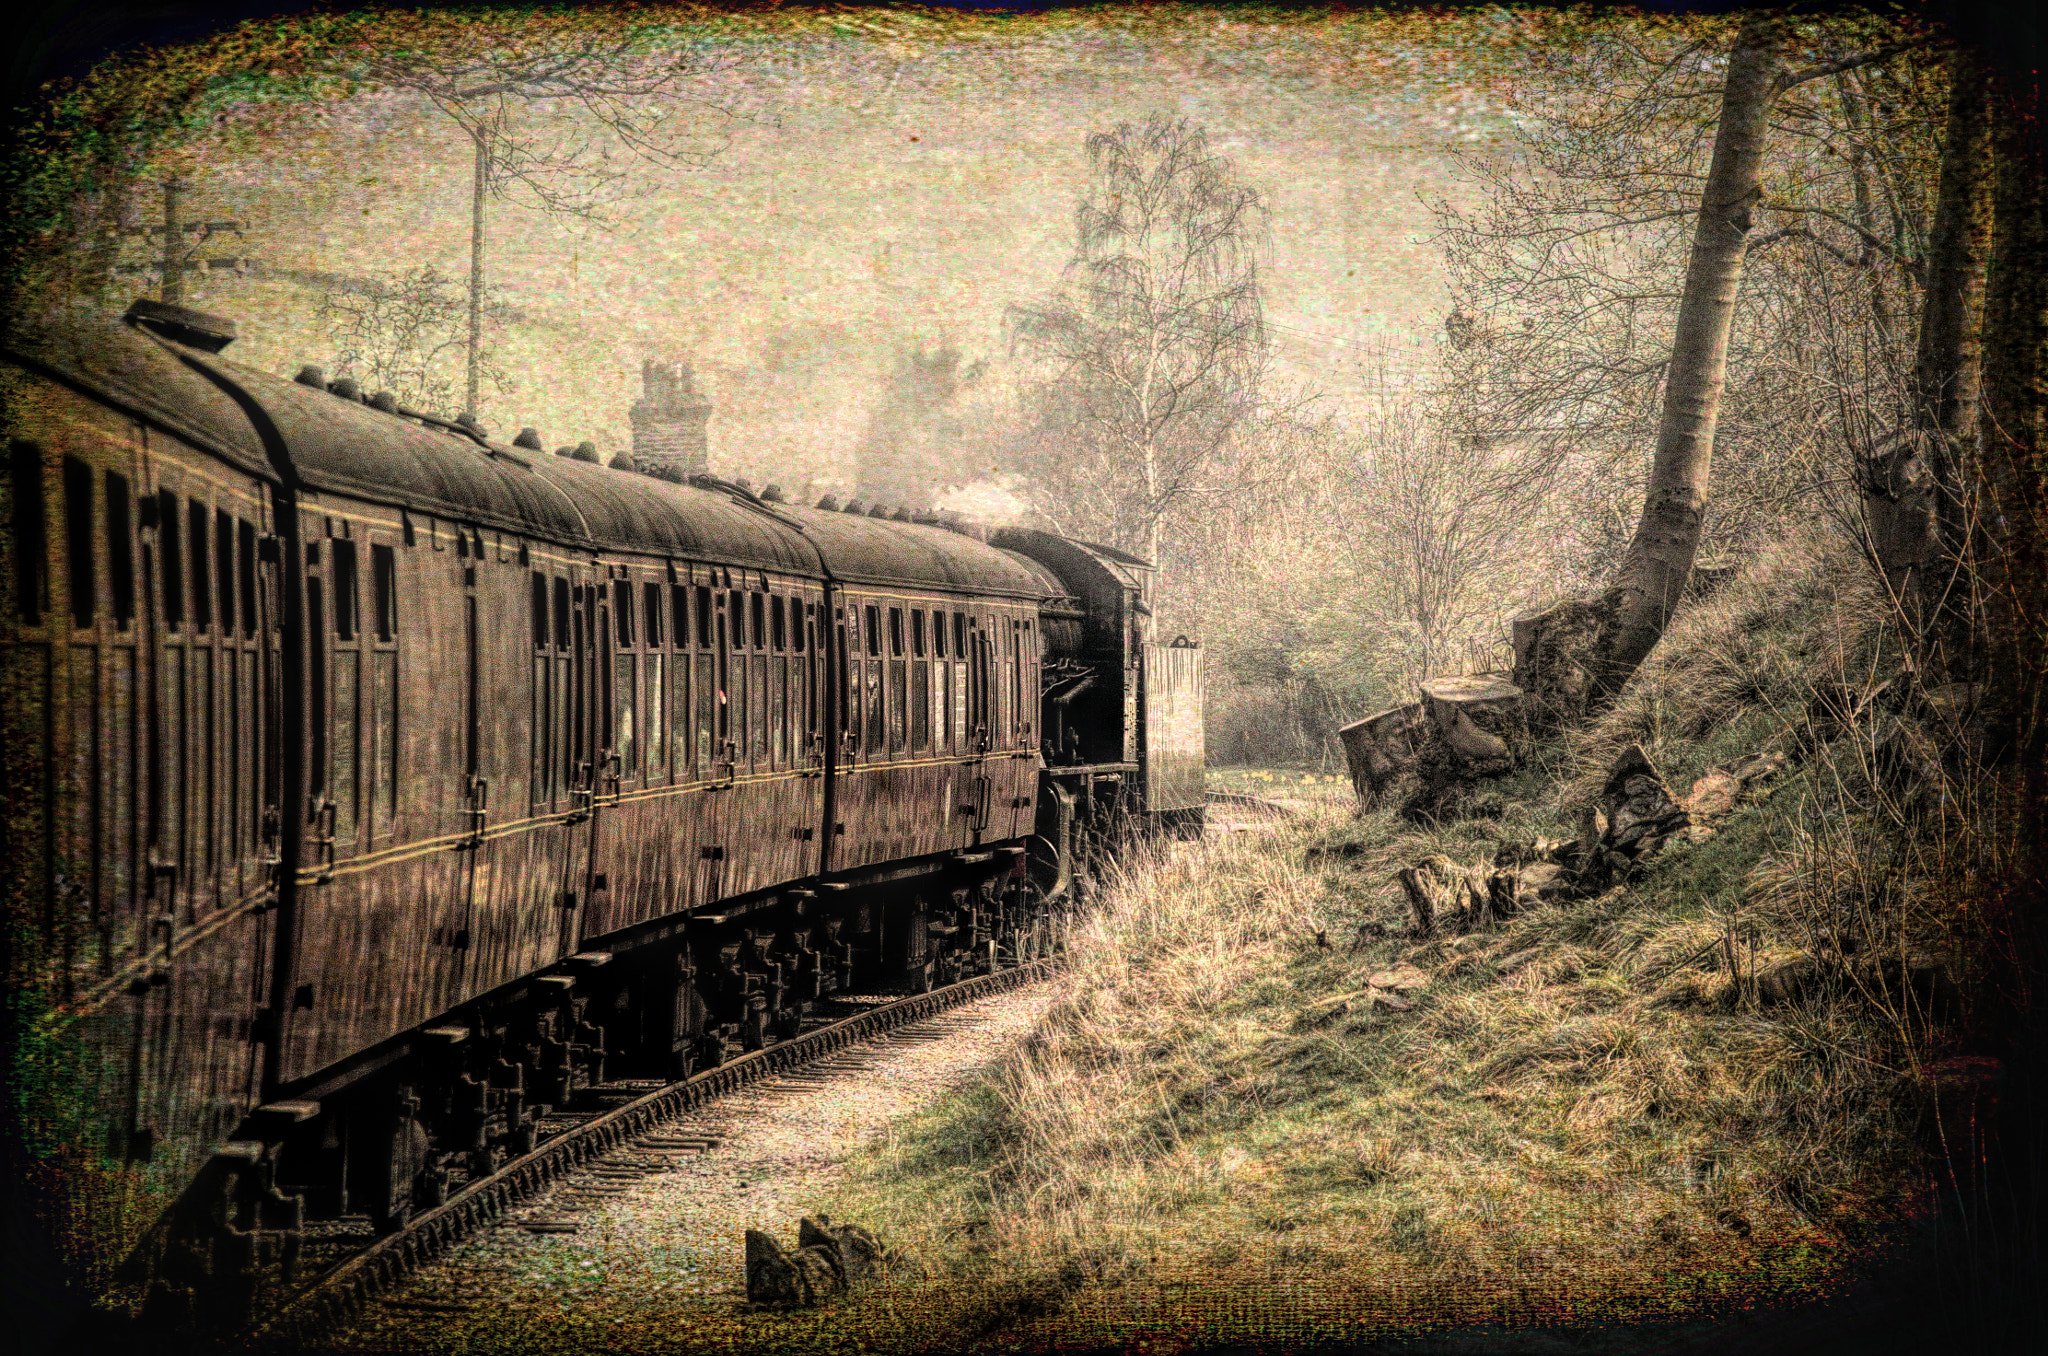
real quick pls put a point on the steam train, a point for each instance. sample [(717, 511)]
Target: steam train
[(376, 787)]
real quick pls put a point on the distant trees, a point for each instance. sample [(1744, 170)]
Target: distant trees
[(410, 334), (1155, 342)]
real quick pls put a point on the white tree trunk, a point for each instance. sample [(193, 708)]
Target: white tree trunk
[(476, 276), (1659, 558)]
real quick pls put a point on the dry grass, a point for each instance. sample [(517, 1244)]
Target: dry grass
[(1602, 1111)]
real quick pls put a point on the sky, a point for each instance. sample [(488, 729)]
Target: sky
[(888, 188)]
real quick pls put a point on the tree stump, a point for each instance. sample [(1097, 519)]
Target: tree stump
[(1480, 721), (1554, 650), (1379, 748)]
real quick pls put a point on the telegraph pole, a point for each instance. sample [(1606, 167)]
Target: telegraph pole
[(177, 255)]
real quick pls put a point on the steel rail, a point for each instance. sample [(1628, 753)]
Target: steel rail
[(339, 1294)]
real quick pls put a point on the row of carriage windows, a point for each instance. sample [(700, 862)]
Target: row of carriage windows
[(205, 561), (749, 696), (747, 691)]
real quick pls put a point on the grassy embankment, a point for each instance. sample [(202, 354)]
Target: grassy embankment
[(1586, 1115)]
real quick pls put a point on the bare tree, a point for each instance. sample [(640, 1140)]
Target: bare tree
[(2008, 561), (1915, 494), (400, 334), (1157, 336), (1576, 335), (596, 87)]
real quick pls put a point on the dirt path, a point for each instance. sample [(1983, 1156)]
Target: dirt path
[(647, 1250)]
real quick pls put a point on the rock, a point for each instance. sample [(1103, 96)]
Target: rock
[(1642, 814), (1713, 796), (1757, 768), (771, 1276), (1391, 1002), (859, 1251), (1529, 854), (1399, 979), (1787, 981), (1507, 965), (1540, 883), (828, 1260)]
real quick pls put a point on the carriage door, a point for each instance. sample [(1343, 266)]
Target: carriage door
[(980, 721), (595, 771)]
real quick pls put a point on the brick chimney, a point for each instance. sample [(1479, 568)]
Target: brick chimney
[(669, 420)]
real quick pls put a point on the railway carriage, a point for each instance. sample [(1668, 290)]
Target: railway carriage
[(377, 787)]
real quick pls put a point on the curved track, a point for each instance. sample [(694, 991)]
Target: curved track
[(336, 1295)]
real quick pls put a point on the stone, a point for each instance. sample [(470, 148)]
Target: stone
[(1540, 883), (1399, 979), (828, 1260), (858, 1252), (1642, 814), (1758, 767), (771, 1276), (1787, 981), (1713, 796)]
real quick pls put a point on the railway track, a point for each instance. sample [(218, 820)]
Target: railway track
[(345, 1284)]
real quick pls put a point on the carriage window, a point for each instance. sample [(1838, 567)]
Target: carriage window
[(939, 634), (316, 689), (756, 604), (202, 599), (781, 623), (384, 582), (540, 609), (736, 613), (562, 632), (120, 549), (960, 635), (29, 552), (344, 589), (245, 560), (679, 615), (169, 553), (622, 611), (896, 630), (797, 624), (224, 568), (650, 595), (874, 620), (703, 617), (917, 632), (78, 538)]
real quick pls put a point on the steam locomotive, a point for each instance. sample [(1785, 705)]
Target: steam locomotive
[(375, 787)]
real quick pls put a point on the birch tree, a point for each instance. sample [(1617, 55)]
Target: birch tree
[(1562, 332), (1156, 338)]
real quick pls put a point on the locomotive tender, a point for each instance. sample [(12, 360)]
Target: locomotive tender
[(376, 787)]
